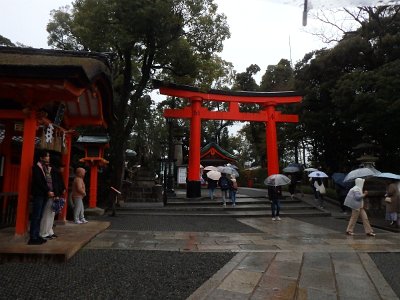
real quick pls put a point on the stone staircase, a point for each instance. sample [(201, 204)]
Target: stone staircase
[(246, 206)]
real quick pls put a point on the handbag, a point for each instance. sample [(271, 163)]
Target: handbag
[(58, 205), (388, 200), (322, 189)]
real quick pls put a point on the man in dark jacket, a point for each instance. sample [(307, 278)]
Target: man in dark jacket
[(41, 191), (275, 194)]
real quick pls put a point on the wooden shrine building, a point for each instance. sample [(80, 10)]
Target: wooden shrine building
[(213, 154), (44, 96)]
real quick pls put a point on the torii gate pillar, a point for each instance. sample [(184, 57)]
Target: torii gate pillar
[(271, 138), (193, 183)]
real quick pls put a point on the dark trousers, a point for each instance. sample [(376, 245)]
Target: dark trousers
[(275, 207), (39, 203)]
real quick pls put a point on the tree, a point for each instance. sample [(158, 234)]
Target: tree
[(351, 88), (148, 38), (6, 42)]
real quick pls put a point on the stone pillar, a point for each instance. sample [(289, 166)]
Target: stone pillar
[(178, 152)]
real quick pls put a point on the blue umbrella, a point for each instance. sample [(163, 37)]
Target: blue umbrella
[(338, 179)]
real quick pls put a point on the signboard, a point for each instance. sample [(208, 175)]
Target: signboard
[(182, 175)]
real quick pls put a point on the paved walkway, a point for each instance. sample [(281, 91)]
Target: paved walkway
[(287, 259)]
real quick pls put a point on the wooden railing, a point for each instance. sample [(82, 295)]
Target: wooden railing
[(8, 209)]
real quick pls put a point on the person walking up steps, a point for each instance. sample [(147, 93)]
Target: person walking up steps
[(354, 200), (211, 185), (223, 183), (233, 190)]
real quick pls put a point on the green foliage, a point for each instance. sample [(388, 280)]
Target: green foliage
[(6, 42), (174, 39), (351, 92)]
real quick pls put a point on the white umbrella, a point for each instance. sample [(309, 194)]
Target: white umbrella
[(361, 173), (228, 170), (210, 168), (388, 175), (318, 174), (214, 175), (310, 169), (277, 179)]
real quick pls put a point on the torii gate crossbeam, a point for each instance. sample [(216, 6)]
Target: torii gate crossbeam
[(195, 112)]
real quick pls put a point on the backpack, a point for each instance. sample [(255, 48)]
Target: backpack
[(224, 183)]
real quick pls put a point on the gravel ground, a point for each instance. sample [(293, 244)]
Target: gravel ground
[(177, 223), (112, 274)]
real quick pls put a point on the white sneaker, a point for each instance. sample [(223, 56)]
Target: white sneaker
[(84, 221), (273, 219), (78, 222), (278, 219)]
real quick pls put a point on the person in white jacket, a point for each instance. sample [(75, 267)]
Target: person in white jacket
[(354, 200)]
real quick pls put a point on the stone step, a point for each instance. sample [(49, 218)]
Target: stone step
[(216, 206), (217, 200), (230, 213)]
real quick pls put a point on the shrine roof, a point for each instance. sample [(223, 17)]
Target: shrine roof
[(219, 149), (43, 78)]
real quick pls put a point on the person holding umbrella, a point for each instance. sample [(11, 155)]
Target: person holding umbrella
[(223, 183), (354, 200), (274, 183), (342, 188), (392, 204), (233, 187), (212, 182), (275, 194), (318, 185), (292, 185)]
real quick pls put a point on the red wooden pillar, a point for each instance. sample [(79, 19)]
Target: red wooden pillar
[(66, 160), (271, 138), (194, 184), (28, 149), (93, 185)]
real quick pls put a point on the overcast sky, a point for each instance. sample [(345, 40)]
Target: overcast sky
[(265, 32), (260, 29)]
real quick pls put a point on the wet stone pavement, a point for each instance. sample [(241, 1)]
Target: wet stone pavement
[(182, 257)]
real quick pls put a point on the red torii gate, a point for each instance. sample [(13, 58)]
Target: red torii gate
[(196, 112)]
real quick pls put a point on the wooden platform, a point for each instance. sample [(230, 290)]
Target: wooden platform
[(71, 238)]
